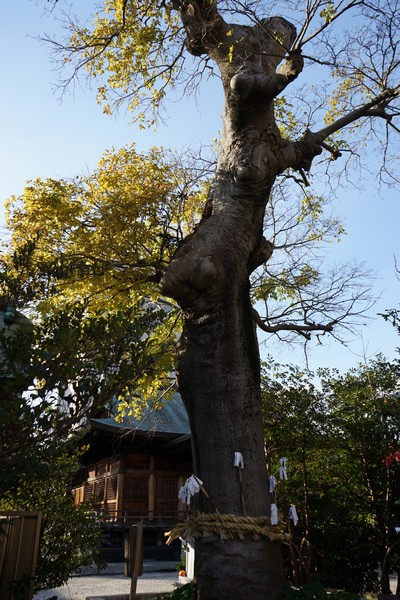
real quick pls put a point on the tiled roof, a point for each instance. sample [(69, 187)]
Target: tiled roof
[(169, 421)]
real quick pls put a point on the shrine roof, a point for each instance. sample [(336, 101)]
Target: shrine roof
[(169, 421)]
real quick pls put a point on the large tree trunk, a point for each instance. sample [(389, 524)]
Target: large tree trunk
[(218, 363), (219, 379)]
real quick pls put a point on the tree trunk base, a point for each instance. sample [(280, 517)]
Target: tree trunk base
[(238, 569)]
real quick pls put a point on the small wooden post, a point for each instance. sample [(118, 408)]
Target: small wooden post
[(105, 493), (136, 557), (120, 495), (151, 490)]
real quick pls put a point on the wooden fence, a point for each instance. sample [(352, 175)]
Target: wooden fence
[(19, 546)]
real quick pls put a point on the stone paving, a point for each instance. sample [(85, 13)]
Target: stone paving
[(157, 578)]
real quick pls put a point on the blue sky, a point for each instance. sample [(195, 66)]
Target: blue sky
[(43, 136)]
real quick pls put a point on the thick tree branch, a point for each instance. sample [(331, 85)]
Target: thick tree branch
[(363, 111), (289, 71), (270, 86), (299, 155), (304, 329), (203, 24)]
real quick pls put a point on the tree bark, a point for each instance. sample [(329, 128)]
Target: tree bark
[(218, 363), (219, 380)]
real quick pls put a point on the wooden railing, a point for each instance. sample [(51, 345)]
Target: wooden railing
[(134, 497), (125, 518)]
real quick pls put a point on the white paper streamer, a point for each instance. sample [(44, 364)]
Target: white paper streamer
[(238, 460), (272, 484), (191, 487), (293, 514), (274, 514), (282, 468)]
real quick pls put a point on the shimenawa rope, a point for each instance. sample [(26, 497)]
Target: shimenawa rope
[(227, 527)]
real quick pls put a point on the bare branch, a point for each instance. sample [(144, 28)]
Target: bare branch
[(303, 330), (312, 8)]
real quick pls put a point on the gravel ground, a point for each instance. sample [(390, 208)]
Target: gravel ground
[(157, 577)]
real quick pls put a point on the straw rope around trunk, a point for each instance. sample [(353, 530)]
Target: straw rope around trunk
[(227, 527)]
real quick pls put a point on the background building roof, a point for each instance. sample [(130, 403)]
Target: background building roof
[(170, 421)]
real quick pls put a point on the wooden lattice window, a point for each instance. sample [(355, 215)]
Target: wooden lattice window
[(99, 489), (88, 493), (112, 489), (166, 497), (135, 494)]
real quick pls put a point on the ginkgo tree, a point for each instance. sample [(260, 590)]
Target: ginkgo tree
[(87, 255), (98, 245), (346, 55)]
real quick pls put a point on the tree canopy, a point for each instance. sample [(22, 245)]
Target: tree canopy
[(87, 256), (341, 441), (41, 425), (138, 51), (101, 243), (346, 97)]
